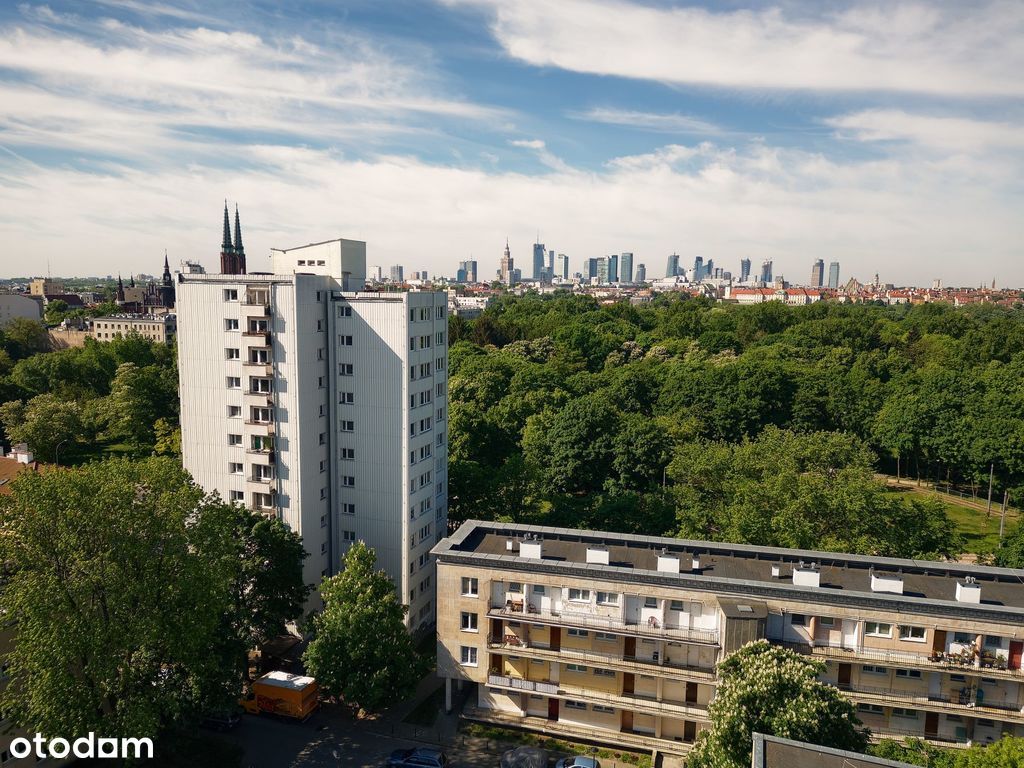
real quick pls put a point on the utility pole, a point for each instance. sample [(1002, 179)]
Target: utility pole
[(1002, 518), (991, 471)]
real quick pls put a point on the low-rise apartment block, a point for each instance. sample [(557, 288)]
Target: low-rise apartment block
[(614, 638)]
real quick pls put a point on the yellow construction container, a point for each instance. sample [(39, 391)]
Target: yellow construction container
[(281, 693)]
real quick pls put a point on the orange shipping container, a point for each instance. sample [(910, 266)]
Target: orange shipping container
[(281, 693)]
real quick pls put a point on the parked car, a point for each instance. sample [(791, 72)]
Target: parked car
[(578, 761), (221, 721), (421, 757)]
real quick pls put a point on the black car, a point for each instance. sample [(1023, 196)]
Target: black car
[(421, 757)]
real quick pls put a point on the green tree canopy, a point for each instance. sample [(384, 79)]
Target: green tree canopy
[(767, 689), (361, 651)]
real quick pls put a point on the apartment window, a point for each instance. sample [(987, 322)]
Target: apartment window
[(348, 426), (323, 547), (874, 709), (412, 373), (469, 622), (412, 315), (344, 311), (798, 620), (538, 589), (231, 324), (958, 678), (347, 398), (348, 509), (516, 587), (605, 637), (598, 708), (470, 586), (348, 481), (578, 595), (439, 338), (607, 598), (915, 634), (234, 411), (676, 605), (232, 353), (348, 536), (319, 326), (575, 668), (233, 382), (963, 638), (575, 705), (468, 656), (424, 369), (577, 633), (236, 495), (412, 343), (412, 429), (877, 629), (348, 454), (440, 313), (345, 369), (439, 364), (650, 602), (908, 714), (235, 468), (874, 669), (234, 439), (345, 341), (323, 438), (230, 294), (603, 672), (425, 452), (913, 674), (320, 353), (440, 414), (262, 386)]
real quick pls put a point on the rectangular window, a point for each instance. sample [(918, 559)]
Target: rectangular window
[(236, 495), (578, 595), (650, 602), (877, 629), (348, 481), (235, 467), (230, 294), (470, 586), (908, 714), (913, 674), (323, 521), (601, 709), (232, 353), (323, 438), (575, 668), (348, 454), (319, 326), (348, 426), (344, 311), (349, 536), (607, 598), (874, 709), (798, 620), (603, 672), (345, 369), (575, 705), (469, 622), (826, 621), (345, 341), (516, 587), (233, 382), (234, 439), (916, 634), (605, 637), (578, 633), (963, 638), (348, 509), (468, 656), (347, 398), (234, 411), (231, 324), (874, 669)]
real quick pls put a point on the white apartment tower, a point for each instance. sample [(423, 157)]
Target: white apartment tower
[(306, 397)]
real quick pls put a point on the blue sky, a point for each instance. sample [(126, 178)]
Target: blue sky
[(887, 136)]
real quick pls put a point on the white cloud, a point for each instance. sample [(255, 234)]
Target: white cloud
[(949, 49), (648, 121), (545, 155), (956, 134), (891, 216)]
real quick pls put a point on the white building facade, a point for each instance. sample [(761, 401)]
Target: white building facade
[(312, 400)]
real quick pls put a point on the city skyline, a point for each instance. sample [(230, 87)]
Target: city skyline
[(434, 130)]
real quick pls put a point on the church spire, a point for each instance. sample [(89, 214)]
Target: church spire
[(225, 245), (239, 248), (167, 270)]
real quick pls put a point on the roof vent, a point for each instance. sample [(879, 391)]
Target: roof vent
[(805, 575), (597, 554), (887, 582), (968, 590), (776, 570), (695, 562), (668, 563), (532, 549)]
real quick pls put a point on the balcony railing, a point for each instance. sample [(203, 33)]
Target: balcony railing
[(964, 702), (517, 610), (596, 658), (899, 658)]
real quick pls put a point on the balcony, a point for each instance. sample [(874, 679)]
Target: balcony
[(631, 702), (512, 645), (923, 661), (516, 610), (260, 428), (966, 702)]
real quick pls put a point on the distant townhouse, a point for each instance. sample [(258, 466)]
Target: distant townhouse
[(158, 328)]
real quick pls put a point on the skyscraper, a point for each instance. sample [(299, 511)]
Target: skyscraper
[(626, 267), (641, 273), (466, 272), (766, 271), (539, 257), (507, 266), (613, 268), (602, 270), (551, 263), (562, 267), (397, 273), (818, 274), (744, 270), (698, 269), (591, 269), (313, 402), (672, 266), (833, 275)]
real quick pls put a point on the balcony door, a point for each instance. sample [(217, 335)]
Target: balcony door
[(850, 633), (552, 709), (1016, 651)]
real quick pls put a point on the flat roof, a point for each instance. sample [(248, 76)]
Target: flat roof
[(286, 680), (742, 569), (776, 752)]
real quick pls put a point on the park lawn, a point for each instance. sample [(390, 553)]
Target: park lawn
[(980, 533)]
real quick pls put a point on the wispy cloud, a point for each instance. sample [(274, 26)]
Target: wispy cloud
[(545, 155), (950, 49), (672, 122), (947, 133)]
